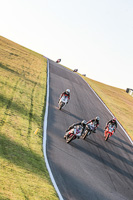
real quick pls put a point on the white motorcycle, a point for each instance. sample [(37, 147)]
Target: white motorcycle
[(73, 133), (62, 102), (89, 128)]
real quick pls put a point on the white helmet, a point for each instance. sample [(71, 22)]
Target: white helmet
[(83, 122), (97, 118), (67, 91)]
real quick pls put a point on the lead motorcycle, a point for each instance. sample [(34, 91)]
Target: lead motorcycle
[(72, 134), (109, 131), (62, 102)]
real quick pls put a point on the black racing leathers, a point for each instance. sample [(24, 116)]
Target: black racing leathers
[(95, 121), (111, 122), (77, 124)]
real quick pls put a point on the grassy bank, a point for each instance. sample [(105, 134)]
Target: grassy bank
[(23, 173), (118, 101)]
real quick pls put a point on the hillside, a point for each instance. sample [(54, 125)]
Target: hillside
[(118, 101), (22, 106)]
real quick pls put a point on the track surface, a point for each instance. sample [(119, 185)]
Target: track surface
[(91, 169)]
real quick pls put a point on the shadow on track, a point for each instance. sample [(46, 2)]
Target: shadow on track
[(71, 114), (120, 146), (105, 162), (122, 141)]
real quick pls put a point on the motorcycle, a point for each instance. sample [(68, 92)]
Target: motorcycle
[(58, 61), (62, 102), (109, 131), (72, 134), (89, 129)]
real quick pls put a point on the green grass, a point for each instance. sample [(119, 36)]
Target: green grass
[(23, 174)]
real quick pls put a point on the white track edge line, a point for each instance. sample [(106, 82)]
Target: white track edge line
[(109, 111), (45, 137)]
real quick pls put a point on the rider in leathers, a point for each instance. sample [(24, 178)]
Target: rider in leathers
[(113, 122), (66, 93), (96, 123), (81, 124)]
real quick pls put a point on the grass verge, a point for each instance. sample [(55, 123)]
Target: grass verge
[(22, 106), (118, 101)]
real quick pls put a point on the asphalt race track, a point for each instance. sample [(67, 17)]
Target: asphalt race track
[(92, 169)]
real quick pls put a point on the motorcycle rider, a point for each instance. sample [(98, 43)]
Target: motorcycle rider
[(95, 121), (112, 122), (66, 94), (81, 127)]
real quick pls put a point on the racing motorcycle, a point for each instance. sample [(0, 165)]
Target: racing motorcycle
[(109, 131), (72, 134), (58, 61), (62, 102), (89, 129)]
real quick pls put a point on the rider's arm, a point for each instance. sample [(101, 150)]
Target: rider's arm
[(109, 122), (75, 124), (97, 123), (68, 97), (61, 96), (89, 121)]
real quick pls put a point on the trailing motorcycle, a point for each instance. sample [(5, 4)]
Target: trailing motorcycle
[(89, 129), (62, 102), (72, 134), (109, 131)]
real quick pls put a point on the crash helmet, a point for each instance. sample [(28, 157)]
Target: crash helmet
[(68, 91), (97, 118), (114, 119), (83, 122)]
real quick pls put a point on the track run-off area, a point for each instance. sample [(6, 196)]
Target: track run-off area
[(90, 169)]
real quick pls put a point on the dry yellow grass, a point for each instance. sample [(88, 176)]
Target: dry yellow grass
[(118, 101)]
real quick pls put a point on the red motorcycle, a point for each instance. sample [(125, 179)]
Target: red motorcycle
[(58, 61), (72, 134), (109, 131)]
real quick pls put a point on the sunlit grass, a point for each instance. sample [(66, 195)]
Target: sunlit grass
[(23, 173), (118, 101)]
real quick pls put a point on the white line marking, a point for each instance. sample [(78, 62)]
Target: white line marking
[(45, 137), (109, 111)]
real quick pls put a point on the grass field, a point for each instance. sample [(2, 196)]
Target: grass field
[(23, 173), (118, 101)]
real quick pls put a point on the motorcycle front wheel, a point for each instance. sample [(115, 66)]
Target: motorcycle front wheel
[(60, 106), (85, 134), (69, 138), (107, 137)]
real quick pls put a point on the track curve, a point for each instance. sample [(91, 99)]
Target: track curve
[(90, 169)]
